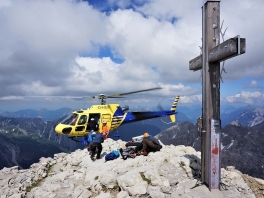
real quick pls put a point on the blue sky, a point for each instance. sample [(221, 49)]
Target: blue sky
[(82, 48)]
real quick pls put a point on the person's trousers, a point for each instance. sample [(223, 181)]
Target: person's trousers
[(89, 148), (99, 148), (150, 146)]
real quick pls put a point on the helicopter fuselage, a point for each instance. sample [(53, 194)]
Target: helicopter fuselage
[(77, 124)]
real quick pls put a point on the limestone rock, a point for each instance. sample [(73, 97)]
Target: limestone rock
[(172, 172)]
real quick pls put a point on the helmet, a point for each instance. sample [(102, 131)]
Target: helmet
[(93, 133), (92, 118), (104, 122), (145, 135)]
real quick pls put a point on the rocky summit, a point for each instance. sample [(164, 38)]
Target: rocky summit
[(172, 172)]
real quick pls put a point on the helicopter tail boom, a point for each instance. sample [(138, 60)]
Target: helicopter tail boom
[(137, 116)]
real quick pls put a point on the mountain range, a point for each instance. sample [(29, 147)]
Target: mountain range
[(24, 140), (246, 116), (241, 146), (44, 114), (30, 130)]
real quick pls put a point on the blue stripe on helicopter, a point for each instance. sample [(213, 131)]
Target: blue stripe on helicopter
[(136, 116), (119, 112)]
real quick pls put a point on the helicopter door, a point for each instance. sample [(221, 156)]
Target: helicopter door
[(94, 119)]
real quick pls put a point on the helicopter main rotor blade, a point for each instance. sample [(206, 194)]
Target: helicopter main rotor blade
[(101, 97), (115, 97), (60, 97), (132, 92)]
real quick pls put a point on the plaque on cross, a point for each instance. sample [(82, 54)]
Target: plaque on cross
[(209, 61)]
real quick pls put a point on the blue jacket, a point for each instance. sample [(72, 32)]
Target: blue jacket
[(90, 138), (98, 138)]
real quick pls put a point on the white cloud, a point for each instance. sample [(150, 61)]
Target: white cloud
[(194, 99), (253, 85), (244, 18), (5, 3), (52, 46), (11, 98), (153, 43), (246, 97)]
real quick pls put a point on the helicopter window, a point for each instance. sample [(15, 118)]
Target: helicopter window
[(79, 128), (82, 120), (71, 119)]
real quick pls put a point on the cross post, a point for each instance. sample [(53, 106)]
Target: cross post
[(209, 61)]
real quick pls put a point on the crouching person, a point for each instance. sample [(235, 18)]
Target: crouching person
[(97, 145), (150, 144)]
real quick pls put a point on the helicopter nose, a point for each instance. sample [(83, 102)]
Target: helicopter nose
[(59, 128), (63, 129)]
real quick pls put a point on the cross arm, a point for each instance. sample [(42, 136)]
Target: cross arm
[(228, 49)]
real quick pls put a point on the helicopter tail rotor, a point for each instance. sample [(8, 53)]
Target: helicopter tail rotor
[(173, 108)]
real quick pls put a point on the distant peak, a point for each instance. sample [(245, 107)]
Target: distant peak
[(235, 123), (250, 107)]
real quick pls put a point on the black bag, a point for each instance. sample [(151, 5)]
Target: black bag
[(137, 145), (127, 152)]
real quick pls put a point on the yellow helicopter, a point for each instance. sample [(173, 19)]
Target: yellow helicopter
[(77, 123)]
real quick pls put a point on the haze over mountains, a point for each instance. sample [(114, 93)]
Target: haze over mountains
[(246, 116), (25, 131), (44, 114)]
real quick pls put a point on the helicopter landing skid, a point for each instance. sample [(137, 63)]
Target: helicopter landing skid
[(72, 138)]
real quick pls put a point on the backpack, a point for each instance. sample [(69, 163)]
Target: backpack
[(136, 145), (112, 155), (126, 153), (90, 138)]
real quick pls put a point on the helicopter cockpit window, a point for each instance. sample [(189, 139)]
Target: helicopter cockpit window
[(71, 119), (82, 120)]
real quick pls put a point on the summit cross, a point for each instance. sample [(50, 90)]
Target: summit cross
[(209, 125)]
